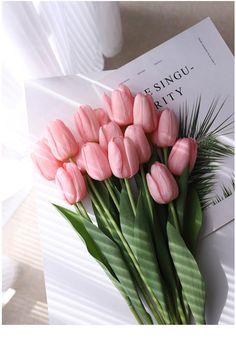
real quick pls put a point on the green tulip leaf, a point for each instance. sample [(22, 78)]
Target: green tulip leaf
[(126, 217), (105, 251), (143, 248), (158, 228), (180, 202), (188, 273), (193, 222)]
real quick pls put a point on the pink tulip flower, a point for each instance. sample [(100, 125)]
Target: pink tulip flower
[(107, 132), (44, 160), (145, 113), (182, 155), (123, 157), (95, 161), (137, 135), (120, 105), (161, 184), (79, 162), (61, 140), (87, 124), (101, 116), (167, 129), (71, 182)]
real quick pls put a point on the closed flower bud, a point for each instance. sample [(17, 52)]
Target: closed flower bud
[(107, 132), (101, 116), (79, 162), (71, 182), (44, 160), (123, 157), (167, 130), (182, 155), (120, 105), (137, 135), (161, 184), (95, 161), (145, 113), (87, 124), (61, 140)]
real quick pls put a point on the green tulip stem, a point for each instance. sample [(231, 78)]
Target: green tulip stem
[(175, 218), (113, 196), (130, 194), (82, 210), (78, 209), (165, 152), (146, 191), (128, 249)]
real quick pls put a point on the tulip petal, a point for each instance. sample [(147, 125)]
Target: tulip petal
[(115, 156), (132, 157), (44, 160), (61, 140), (95, 161), (101, 116), (154, 190), (66, 185), (107, 104)]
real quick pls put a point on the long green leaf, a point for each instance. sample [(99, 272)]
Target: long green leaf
[(113, 254), (144, 251), (193, 222), (180, 202), (157, 222), (188, 273), (78, 225), (126, 217), (110, 256)]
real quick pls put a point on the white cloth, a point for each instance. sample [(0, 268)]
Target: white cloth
[(44, 39)]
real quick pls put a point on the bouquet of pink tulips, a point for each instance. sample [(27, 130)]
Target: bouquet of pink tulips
[(145, 173)]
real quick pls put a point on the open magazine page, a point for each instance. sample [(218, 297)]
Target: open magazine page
[(195, 63)]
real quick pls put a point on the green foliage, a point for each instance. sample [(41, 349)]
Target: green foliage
[(211, 150), (145, 254), (226, 192), (108, 254), (193, 220), (188, 273)]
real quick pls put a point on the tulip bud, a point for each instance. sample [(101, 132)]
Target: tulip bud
[(145, 113), (182, 155), (71, 182), (101, 116), (79, 162), (87, 124), (167, 130), (61, 140), (120, 106), (44, 160), (107, 132), (95, 161), (137, 135), (161, 184), (123, 157)]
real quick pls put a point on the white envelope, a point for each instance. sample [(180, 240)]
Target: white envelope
[(78, 291)]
